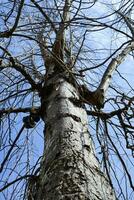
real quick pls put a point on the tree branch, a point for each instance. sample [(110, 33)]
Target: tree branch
[(13, 63), (105, 115), (18, 110), (59, 44), (127, 21), (45, 15), (16, 180), (105, 82), (115, 62), (11, 148), (8, 33)]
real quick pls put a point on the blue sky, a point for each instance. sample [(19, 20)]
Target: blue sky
[(94, 41)]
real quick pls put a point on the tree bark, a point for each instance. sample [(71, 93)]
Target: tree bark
[(69, 168), (108, 74)]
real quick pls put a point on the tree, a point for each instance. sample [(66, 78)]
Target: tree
[(61, 61)]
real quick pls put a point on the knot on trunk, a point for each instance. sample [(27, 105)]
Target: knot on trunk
[(94, 98)]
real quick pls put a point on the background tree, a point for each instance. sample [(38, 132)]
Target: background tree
[(56, 56)]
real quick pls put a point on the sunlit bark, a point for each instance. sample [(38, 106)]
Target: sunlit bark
[(69, 168)]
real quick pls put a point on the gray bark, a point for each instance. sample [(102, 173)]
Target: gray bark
[(69, 168)]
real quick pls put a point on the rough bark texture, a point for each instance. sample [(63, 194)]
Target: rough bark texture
[(69, 168)]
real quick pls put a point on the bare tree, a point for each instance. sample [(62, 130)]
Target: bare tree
[(66, 86)]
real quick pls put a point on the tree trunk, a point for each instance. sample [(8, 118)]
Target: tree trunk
[(69, 168)]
